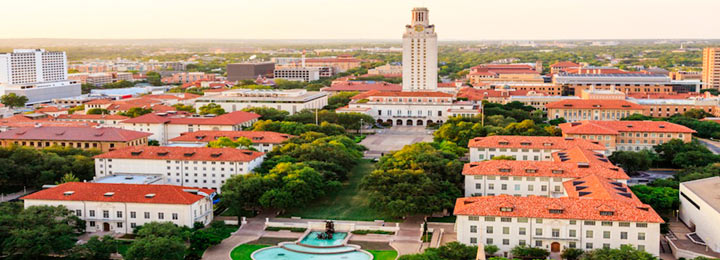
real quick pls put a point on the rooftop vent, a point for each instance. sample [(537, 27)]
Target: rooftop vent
[(525, 143), (579, 188), (60, 133), (557, 171), (150, 195), (248, 152), (607, 213), (215, 155), (569, 138), (129, 177), (576, 183), (625, 194), (629, 126), (643, 208), (503, 143), (162, 153), (568, 105), (99, 134), (68, 193), (661, 126), (623, 189), (200, 137), (136, 153), (584, 193), (193, 191), (556, 211), (109, 194), (583, 165), (190, 154), (616, 184)]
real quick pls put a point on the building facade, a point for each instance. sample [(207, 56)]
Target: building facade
[(594, 109), (100, 138), (199, 167), (165, 126), (263, 141), (627, 135), (420, 53), (120, 208), (573, 84), (711, 68), (304, 74), (249, 70), (293, 101), (525, 148), (700, 210), (37, 74)]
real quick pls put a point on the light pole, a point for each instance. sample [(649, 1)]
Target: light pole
[(361, 125)]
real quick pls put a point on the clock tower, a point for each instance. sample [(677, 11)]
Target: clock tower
[(419, 53)]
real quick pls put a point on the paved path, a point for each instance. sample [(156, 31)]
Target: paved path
[(392, 139), (251, 231), (12, 196), (712, 145), (407, 240)]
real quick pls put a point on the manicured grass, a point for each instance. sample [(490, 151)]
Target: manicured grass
[(383, 254), (300, 230), (365, 232), (349, 203), (243, 252), (123, 246), (427, 237), (446, 219)]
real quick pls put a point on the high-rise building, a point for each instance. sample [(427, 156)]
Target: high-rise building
[(37, 74), (711, 68), (420, 53), (249, 70)]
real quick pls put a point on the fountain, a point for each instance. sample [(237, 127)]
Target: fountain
[(329, 230)]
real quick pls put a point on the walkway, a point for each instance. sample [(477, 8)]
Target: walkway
[(251, 231), (713, 146), (408, 239), (394, 138), (12, 196)]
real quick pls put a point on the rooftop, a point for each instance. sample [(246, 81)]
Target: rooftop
[(615, 127), (129, 193), (707, 190), (254, 136), (593, 104), (532, 142), (181, 154), (89, 134), (232, 118)]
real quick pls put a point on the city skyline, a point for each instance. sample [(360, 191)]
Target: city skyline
[(373, 20)]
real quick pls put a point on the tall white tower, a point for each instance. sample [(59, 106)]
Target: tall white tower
[(419, 53)]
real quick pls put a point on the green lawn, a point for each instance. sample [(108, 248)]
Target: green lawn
[(384, 254), (349, 203), (446, 219), (243, 252)]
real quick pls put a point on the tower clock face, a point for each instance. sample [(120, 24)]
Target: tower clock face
[(419, 28)]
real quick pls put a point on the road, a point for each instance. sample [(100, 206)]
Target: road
[(712, 145)]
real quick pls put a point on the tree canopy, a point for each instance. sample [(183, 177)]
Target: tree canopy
[(13, 100), (211, 108)]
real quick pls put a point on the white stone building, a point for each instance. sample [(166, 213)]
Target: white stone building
[(420, 53), (293, 100), (263, 141), (304, 74), (525, 148), (700, 210), (37, 74), (199, 167), (119, 208), (165, 126)]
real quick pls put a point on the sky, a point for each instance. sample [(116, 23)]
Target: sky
[(359, 19)]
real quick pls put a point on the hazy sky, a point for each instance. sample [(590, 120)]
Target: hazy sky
[(359, 19)]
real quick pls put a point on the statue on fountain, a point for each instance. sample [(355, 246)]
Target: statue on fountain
[(329, 230)]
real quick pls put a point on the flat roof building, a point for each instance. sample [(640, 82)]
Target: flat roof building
[(249, 70), (700, 212), (293, 100), (101, 138), (39, 75)]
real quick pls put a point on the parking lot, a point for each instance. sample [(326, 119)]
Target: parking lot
[(392, 139)]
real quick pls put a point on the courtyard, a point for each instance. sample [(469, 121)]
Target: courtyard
[(394, 138)]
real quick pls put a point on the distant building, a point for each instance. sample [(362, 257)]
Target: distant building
[(711, 68), (249, 70), (505, 73), (573, 84), (263, 141), (627, 135), (361, 86), (120, 208), (199, 167), (100, 138), (37, 74), (387, 69), (304, 74), (103, 120), (165, 126), (685, 75), (341, 63), (293, 100), (525, 148), (187, 77), (562, 66), (593, 109)]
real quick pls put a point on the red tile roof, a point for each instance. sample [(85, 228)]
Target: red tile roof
[(362, 86), (182, 153), (596, 187), (542, 169), (90, 117), (532, 142), (564, 64), (131, 193), (376, 93), (615, 127), (232, 118), (183, 96), (593, 104), (49, 109), (90, 134), (262, 137), (481, 94), (572, 208)]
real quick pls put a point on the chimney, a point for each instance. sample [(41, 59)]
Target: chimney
[(303, 59)]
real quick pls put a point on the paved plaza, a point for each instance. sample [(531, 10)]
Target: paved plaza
[(394, 138)]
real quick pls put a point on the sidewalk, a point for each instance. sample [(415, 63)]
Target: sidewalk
[(12, 196), (408, 239), (251, 231)]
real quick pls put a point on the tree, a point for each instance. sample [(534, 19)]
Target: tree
[(211, 108), (148, 248), (526, 252), (186, 108), (12, 100), (153, 143), (449, 251), (97, 111), (557, 121), (625, 252), (136, 112), (340, 100), (95, 248), (42, 230), (68, 177), (269, 113), (678, 154), (74, 109), (662, 199), (491, 250), (154, 78), (240, 143), (632, 162), (404, 192), (572, 253)]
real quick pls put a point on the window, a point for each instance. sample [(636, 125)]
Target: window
[(641, 225), (555, 232), (572, 233), (522, 231), (78, 213), (589, 223), (522, 242), (505, 220), (539, 221), (119, 214), (92, 223), (606, 246), (106, 214), (522, 220), (606, 234), (489, 241), (119, 224), (147, 215), (506, 230), (623, 235), (473, 240), (538, 231), (607, 223), (588, 245), (174, 216), (473, 229), (641, 236), (538, 243), (133, 225), (506, 241), (488, 229), (573, 222), (589, 234), (161, 215), (92, 213), (132, 214), (624, 224), (572, 244), (641, 247), (489, 219)]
